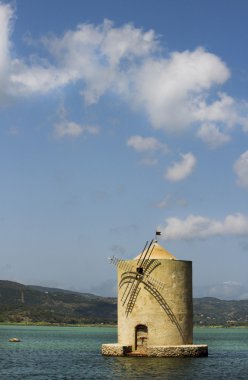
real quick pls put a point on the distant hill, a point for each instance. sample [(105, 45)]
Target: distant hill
[(25, 303), (211, 311), (37, 304)]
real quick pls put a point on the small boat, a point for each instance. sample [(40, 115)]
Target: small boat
[(14, 340)]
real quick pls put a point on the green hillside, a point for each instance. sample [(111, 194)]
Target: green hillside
[(36, 304), (21, 303), (212, 311)]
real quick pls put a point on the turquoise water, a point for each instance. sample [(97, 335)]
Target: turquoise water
[(73, 353)]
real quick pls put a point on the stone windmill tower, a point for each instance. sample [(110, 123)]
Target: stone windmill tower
[(155, 316)]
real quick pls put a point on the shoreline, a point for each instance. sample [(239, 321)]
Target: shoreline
[(46, 324)]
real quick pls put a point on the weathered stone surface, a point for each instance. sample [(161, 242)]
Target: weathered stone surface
[(190, 350), (115, 350), (165, 310)]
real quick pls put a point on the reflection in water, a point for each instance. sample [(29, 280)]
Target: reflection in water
[(145, 368)]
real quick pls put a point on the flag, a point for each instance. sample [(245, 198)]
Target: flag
[(158, 233)]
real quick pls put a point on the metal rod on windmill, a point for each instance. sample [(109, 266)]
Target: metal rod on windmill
[(142, 253), (146, 253)]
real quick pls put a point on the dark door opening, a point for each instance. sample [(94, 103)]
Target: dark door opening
[(141, 336)]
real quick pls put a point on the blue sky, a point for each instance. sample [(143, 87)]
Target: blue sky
[(118, 118)]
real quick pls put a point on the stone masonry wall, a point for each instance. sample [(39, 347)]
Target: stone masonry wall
[(115, 350), (191, 350), (178, 351)]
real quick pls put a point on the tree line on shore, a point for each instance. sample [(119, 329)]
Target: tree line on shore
[(39, 305)]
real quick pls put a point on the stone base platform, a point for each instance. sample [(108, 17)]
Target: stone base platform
[(189, 350)]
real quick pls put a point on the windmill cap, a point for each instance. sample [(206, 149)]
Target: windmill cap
[(158, 252)]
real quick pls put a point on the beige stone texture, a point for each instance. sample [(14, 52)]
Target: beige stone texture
[(178, 351), (166, 311), (156, 351), (115, 350)]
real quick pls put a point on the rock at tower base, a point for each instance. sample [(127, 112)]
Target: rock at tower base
[(187, 350)]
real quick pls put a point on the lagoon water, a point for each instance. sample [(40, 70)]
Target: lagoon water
[(73, 353)]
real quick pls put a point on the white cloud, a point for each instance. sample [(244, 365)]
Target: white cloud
[(5, 17), (146, 144), (170, 201), (99, 56), (67, 128), (198, 227), (92, 54), (72, 129), (241, 169), (221, 110), (211, 135), (179, 82), (26, 80), (174, 91), (127, 42), (182, 169)]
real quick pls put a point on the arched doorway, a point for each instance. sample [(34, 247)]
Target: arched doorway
[(141, 337)]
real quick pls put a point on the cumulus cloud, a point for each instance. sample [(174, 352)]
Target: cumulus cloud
[(212, 136), (241, 169), (72, 129), (96, 55), (175, 91), (146, 144), (67, 128), (221, 110), (6, 14), (171, 89), (181, 169), (199, 227)]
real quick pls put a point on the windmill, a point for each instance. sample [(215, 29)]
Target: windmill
[(132, 280), (154, 305)]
